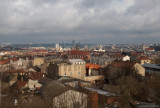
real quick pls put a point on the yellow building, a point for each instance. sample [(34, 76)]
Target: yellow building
[(73, 68), (38, 61), (142, 60)]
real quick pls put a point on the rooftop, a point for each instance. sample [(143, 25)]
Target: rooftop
[(75, 60), (122, 64), (155, 66), (20, 84), (101, 92), (6, 61), (143, 58), (79, 53), (92, 66)]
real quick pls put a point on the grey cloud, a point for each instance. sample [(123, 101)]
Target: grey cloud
[(85, 20)]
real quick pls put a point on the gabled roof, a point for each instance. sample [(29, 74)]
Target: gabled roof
[(20, 84), (122, 64), (45, 80), (143, 58), (116, 56), (55, 88), (79, 53), (137, 54), (35, 76), (92, 66)]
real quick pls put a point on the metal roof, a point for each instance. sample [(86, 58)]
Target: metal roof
[(75, 60), (102, 92), (155, 66)]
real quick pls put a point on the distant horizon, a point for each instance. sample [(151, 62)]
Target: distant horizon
[(16, 43)]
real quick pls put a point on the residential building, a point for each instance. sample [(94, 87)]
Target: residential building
[(14, 63), (99, 58), (72, 67), (143, 59), (59, 95), (117, 56), (70, 99), (38, 61), (120, 66), (93, 73), (150, 49), (92, 69), (126, 58)]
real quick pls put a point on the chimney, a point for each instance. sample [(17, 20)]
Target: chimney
[(79, 84), (93, 100)]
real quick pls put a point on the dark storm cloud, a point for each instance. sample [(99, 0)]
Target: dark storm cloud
[(116, 21)]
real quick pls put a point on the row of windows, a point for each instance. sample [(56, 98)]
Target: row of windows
[(71, 73), (79, 63), (68, 68), (77, 56)]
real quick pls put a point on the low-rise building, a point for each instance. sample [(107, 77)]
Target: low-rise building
[(99, 58), (38, 61), (72, 67), (126, 58), (117, 66), (92, 69), (143, 59), (59, 95)]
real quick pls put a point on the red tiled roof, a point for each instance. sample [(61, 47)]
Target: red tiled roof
[(6, 61), (79, 53), (149, 48), (98, 54), (20, 84), (36, 76), (137, 54), (116, 56), (16, 71), (122, 64), (92, 66), (143, 58)]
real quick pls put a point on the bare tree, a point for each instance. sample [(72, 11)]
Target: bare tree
[(154, 84), (157, 60)]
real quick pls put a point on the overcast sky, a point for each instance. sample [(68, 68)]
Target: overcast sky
[(86, 21)]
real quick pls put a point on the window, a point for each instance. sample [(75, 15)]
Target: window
[(65, 74), (65, 68), (75, 67), (69, 67), (79, 73), (71, 73)]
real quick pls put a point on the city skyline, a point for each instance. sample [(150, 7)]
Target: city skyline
[(87, 21)]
